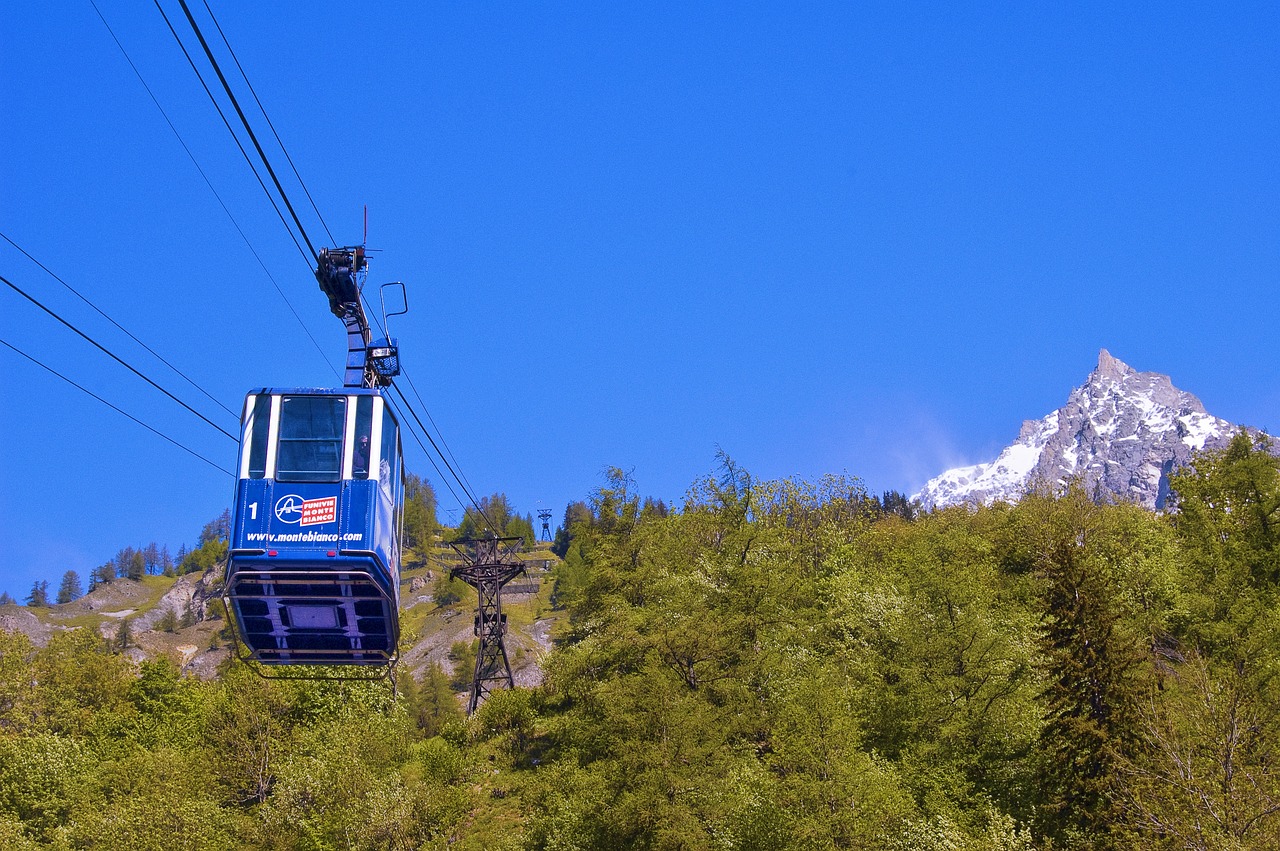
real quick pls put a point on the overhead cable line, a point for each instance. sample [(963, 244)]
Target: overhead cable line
[(431, 460), (458, 475), (209, 183), (113, 356), (128, 333), (149, 428), (457, 478), (308, 259), (297, 222), (439, 432), (245, 121), (263, 110)]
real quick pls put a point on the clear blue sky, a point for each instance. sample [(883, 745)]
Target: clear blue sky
[(825, 237)]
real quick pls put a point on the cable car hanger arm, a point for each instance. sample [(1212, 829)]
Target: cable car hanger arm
[(369, 364)]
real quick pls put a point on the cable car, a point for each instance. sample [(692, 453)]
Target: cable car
[(313, 573)]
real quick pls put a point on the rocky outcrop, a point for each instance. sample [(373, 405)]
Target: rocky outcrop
[(15, 618), (1120, 434)]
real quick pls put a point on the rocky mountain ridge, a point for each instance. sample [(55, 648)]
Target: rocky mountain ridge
[(1120, 433)]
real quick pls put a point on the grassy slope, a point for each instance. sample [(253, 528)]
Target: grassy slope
[(428, 629)]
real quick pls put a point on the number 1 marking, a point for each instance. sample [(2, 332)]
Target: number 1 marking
[(253, 511)]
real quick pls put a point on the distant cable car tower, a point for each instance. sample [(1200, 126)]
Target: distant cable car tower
[(486, 571), (545, 516)]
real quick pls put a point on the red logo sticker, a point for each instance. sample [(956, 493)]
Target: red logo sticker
[(317, 511)]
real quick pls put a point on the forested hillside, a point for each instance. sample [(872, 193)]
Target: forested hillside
[(770, 665)]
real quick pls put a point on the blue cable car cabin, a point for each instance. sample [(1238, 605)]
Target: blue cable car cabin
[(313, 575)]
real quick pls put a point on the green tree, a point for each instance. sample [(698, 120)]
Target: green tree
[(70, 589), (151, 557), (521, 526), (893, 502), (136, 567), (1206, 776), (446, 591), (248, 729), (575, 514), (168, 621), (508, 719), (79, 685), (13, 836), (431, 703), (1096, 564), (1228, 526), (490, 520), (463, 656), (924, 613), (39, 595), (105, 573), (678, 688), (338, 786), (217, 529), (156, 816), (39, 776), (420, 522), (124, 636), (191, 614), (15, 679), (123, 562), (211, 548)]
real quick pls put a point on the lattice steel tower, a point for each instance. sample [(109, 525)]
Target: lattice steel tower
[(545, 516), (486, 571)]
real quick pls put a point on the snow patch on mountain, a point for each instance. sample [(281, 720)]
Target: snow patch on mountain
[(1120, 433)]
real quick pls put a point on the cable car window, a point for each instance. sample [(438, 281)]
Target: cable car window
[(310, 448), (258, 438), (390, 461), (364, 432)]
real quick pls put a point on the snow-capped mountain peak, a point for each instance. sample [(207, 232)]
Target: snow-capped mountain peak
[(1120, 433)]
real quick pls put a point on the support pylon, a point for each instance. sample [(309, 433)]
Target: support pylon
[(486, 571), (545, 516)]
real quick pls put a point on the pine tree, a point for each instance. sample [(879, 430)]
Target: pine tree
[(190, 614), (431, 703), (39, 595), (217, 529), (70, 588), (152, 557), (1093, 662), (463, 656), (136, 566), (575, 514), (5, 599), (168, 621), (521, 527), (124, 636), (420, 523), (122, 561)]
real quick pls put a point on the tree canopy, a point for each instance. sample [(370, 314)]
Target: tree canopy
[(781, 664)]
